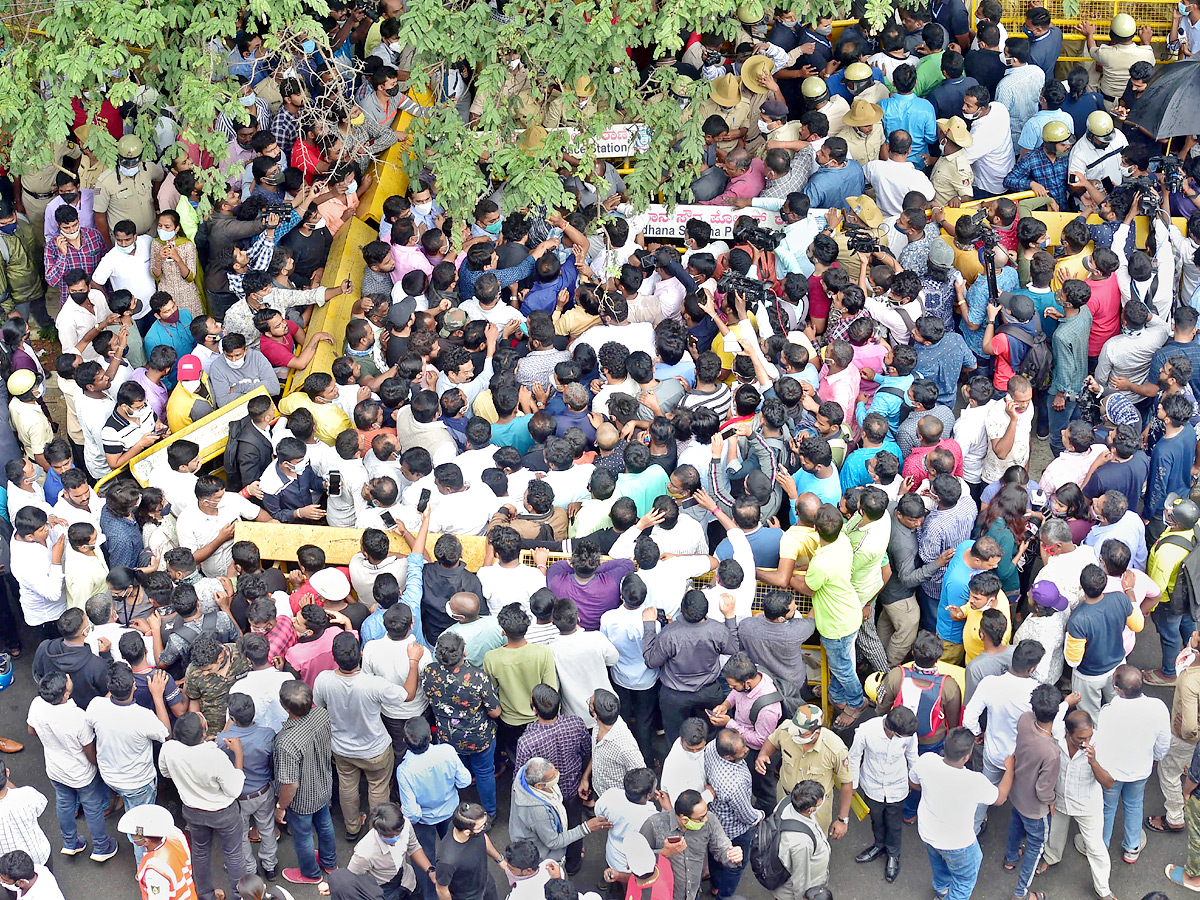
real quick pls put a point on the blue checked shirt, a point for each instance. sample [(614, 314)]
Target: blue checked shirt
[(1049, 173), (733, 804), (944, 529)]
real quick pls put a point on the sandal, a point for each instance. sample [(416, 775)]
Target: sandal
[(1161, 825), (1156, 678), (1175, 874), (1041, 869), (849, 716)]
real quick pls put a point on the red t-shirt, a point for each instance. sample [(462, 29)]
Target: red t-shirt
[(1105, 305), (280, 351), (305, 156), (818, 300)]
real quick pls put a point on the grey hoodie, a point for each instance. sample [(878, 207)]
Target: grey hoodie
[(535, 816)]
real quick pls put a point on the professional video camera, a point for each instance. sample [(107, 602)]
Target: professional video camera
[(1171, 168), (1147, 186), (1088, 403), (860, 240), (764, 239), (751, 290)]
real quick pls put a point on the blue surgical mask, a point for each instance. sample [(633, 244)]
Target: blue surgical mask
[(166, 510), (391, 842), (309, 47), (10, 228)]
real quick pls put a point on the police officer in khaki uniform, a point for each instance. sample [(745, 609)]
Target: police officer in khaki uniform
[(726, 101), (863, 212), (860, 82), (810, 751), (953, 180), (758, 87), (862, 132), (37, 189), (816, 96), (127, 192), (1114, 60)]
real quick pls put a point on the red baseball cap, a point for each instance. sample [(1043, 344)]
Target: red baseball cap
[(189, 368)]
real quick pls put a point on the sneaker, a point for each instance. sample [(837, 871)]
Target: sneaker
[(99, 857), (1131, 856), (268, 874), (295, 876), (71, 851)]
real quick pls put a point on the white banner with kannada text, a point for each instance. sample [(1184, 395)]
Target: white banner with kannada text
[(670, 224)]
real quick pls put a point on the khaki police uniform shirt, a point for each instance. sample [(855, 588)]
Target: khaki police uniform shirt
[(835, 110), (754, 137), (42, 180), (735, 117), (128, 198), (827, 762), (1115, 60), (952, 177), (863, 148), (514, 83)]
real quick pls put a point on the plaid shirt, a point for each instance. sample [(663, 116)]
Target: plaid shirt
[(566, 742), (793, 179), (286, 128), (281, 637), (86, 256), (1049, 173), (733, 804), (943, 529), (304, 757), (613, 756)]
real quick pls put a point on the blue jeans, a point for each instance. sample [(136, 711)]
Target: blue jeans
[(955, 871), (994, 774), (94, 797), (427, 837), (1131, 794), (913, 800), (302, 828), (1060, 419), (483, 766), (1034, 831), (844, 687), (725, 875), (1174, 629), (142, 796)]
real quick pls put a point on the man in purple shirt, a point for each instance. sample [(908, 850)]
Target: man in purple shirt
[(747, 177), (595, 587), (152, 376), (69, 194)]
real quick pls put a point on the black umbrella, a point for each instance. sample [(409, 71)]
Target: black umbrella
[(1170, 106)]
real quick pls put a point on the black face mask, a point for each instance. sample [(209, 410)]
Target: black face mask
[(79, 296), (70, 198), (393, 90)]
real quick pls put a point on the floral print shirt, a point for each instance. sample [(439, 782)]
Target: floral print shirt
[(460, 699)]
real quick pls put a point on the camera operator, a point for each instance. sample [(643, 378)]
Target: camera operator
[(1186, 201), (799, 229), (1152, 282), (859, 217)]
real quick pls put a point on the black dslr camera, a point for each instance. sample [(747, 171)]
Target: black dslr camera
[(1088, 404), (1147, 186), (1171, 168)]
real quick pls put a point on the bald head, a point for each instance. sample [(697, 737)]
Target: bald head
[(930, 430), (464, 606), (806, 508), (1128, 680)]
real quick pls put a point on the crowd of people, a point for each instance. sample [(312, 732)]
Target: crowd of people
[(618, 495)]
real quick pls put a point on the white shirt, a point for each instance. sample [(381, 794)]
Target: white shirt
[(1084, 153), (125, 736), (44, 888), (996, 422), (1005, 698), (93, 413), (72, 514), (204, 776), (74, 322), (886, 313), (472, 463), (1131, 735), (670, 293), (113, 631), (197, 529), (635, 336), (463, 512), (128, 271), (499, 315), (686, 538), (342, 509), (19, 499), (949, 796), (363, 573), (389, 660), (64, 732), (600, 402), (262, 686), (503, 585), (1064, 570), (627, 819), (43, 589), (582, 659), (571, 485), (1078, 792), (970, 430), (991, 155), (879, 764), (892, 180), (178, 487)]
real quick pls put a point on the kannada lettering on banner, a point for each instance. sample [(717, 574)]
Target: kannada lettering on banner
[(670, 224)]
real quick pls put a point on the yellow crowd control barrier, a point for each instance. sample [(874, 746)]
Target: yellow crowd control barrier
[(1056, 221), (280, 542), (210, 432), (390, 177)]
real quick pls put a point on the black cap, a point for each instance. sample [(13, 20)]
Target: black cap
[(400, 314)]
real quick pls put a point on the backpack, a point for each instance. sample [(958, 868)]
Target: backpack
[(232, 481), (786, 694), (1037, 363), (1185, 598), (925, 702), (764, 847)]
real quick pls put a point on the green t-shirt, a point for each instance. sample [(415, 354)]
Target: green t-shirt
[(479, 637), (642, 489), (836, 609), (515, 674), (929, 73)]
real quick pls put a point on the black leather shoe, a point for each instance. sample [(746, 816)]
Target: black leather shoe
[(892, 869), (873, 852)]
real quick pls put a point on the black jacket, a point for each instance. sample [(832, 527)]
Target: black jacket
[(247, 454), (89, 672)]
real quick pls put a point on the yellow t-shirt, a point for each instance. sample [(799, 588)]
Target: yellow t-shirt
[(972, 642)]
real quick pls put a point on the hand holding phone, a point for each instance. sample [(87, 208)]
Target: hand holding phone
[(423, 501)]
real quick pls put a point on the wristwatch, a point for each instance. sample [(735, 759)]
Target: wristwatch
[(845, 820)]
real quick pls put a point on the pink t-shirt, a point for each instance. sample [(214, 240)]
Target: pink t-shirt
[(1105, 306), (869, 356)]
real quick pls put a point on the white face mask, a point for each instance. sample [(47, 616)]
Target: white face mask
[(514, 64), (128, 249), (320, 223), (166, 234), (235, 363), (764, 126), (191, 386), (351, 187), (129, 171), (396, 47), (1128, 171), (248, 100), (423, 208)]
